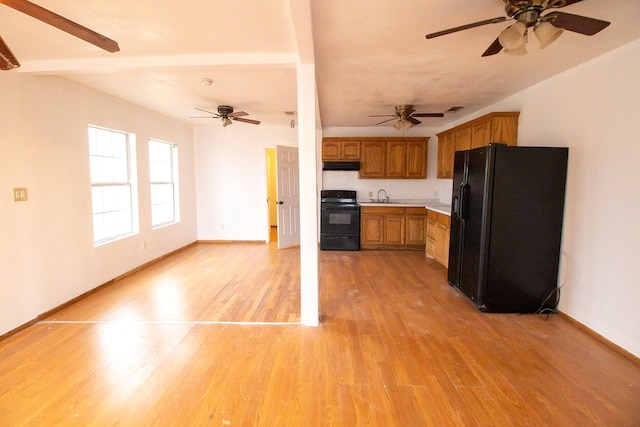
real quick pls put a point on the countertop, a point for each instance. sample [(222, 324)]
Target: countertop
[(430, 204)]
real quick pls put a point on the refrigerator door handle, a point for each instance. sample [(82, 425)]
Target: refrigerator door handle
[(462, 211), (455, 205)]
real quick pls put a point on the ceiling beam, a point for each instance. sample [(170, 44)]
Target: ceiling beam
[(119, 63)]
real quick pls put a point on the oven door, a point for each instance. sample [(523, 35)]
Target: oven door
[(340, 221)]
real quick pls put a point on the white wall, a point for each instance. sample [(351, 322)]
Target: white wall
[(46, 243), (231, 179), (430, 188), (594, 109)]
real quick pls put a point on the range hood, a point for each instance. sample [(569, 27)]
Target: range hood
[(340, 166)]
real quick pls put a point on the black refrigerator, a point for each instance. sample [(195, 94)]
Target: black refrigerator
[(506, 226)]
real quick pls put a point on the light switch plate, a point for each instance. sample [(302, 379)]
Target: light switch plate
[(20, 194)]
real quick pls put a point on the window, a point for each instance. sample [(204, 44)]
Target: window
[(163, 174), (112, 163)]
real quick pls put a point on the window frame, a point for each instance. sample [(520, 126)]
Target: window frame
[(130, 183), (173, 181)]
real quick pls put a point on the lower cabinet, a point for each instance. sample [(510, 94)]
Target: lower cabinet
[(392, 227), (437, 244)]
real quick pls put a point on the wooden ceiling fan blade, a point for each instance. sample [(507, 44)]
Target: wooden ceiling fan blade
[(253, 122), (562, 3), (428, 115), (238, 114), (7, 60), (63, 24), (466, 27), (215, 115), (495, 47), (413, 120), (384, 115), (576, 23), (385, 121)]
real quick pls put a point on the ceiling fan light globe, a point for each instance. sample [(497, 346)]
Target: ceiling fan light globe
[(513, 37), (546, 33), (403, 124), (520, 51)]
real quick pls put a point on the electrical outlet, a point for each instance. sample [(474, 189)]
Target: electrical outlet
[(20, 194), (371, 194)]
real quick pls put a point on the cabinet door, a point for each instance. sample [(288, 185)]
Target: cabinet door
[(481, 134), (350, 150), (396, 159), (446, 149), (371, 229), (372, 159), (430, 242), (463, 138), (505, 129), (394, 230), (416, 230), (330, 150), (416, 159), (442, 240)]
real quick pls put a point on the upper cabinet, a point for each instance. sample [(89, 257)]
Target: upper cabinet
[(372, 161), (382, 158), (336, 149), (493, 127), (390, 158)]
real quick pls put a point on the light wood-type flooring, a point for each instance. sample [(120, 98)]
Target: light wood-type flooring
[(397, 346)]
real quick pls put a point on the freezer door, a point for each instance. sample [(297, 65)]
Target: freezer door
[(457, 224), (474, 215)]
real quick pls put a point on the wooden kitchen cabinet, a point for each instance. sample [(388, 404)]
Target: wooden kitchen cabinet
[(416, 162), (392, 227), (394, 158), (415, 227), (462, 138), (372, 160), (441, 253), (337, 149), (493, 127), (371, 229), (438, 232), (446, 148)]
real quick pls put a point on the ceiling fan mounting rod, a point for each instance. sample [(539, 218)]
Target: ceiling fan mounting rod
[(526, 13)]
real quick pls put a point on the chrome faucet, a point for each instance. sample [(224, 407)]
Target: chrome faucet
[(385, 194)]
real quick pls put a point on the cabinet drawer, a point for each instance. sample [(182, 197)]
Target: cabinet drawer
[(416, 211), (381, 210), (444, 220)]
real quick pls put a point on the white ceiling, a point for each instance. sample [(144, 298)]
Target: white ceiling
[(370, 54)]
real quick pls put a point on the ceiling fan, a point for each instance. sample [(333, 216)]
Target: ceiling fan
[(7, 59), (226, 114), (406, 117), (528, 14)]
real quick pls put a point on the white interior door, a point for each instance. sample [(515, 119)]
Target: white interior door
[(288, 190)]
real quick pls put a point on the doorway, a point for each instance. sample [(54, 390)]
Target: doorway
[(272, 196)]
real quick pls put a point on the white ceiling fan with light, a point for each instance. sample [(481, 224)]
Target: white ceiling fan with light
[(405, 117), (529, 14)]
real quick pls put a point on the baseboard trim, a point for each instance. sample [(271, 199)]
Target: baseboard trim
[(72, 301), (216, 242), (600, 338)]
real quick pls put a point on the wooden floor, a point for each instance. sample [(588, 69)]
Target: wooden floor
[(396, 347)]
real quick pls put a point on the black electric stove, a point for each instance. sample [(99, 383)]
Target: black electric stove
[(339, 220)]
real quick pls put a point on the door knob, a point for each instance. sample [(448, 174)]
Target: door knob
[(280, 202)]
